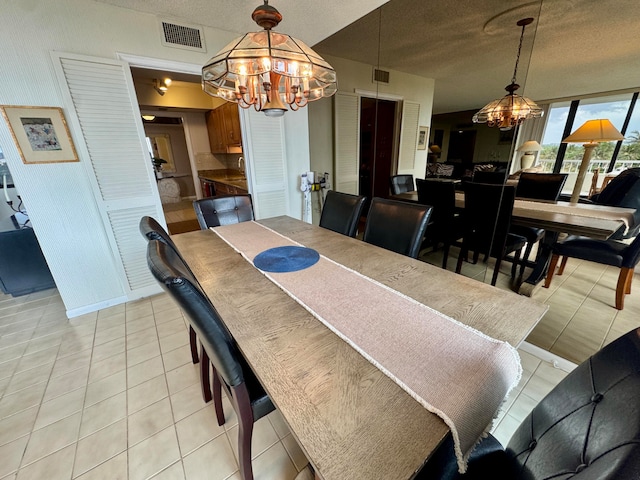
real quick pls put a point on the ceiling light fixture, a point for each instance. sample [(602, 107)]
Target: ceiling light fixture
[(512, 109), (148, 118), (161, 86), (268, 70)]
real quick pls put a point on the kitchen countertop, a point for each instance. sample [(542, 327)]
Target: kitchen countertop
[(231, 177)]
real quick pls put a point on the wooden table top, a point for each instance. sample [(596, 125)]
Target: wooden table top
[(350, 419), (526, 214)]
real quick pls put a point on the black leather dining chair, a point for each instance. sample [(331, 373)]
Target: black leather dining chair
[(218, 348), (445, 224), (223, 210), (152, 230), (607, 252), (586, 428), (487, 219), (396, 226), (341, 212), (623, 191), (536, 186), (401, 184)]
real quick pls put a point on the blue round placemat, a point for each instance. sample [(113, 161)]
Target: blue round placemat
[(286, 259)]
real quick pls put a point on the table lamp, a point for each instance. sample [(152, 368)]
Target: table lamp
[(528, 159), (590, 135)]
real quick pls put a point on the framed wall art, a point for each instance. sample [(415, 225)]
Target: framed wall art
[(40, 133), (423, 137)]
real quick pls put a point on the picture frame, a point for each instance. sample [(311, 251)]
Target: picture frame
[(423, 138), (40, 133)]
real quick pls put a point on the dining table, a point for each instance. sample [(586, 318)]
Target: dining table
[(586, 219), (350, 418)]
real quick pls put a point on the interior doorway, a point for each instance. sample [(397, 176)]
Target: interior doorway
[(462, 144), (377, 140)]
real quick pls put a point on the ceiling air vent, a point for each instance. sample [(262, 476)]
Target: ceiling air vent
[(182, 36), (380, 76)]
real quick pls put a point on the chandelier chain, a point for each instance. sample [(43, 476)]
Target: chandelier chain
[(513, 79)]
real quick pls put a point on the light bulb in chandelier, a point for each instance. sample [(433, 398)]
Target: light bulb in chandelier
[(270, 71)]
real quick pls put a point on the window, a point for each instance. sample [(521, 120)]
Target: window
[(566, 117)]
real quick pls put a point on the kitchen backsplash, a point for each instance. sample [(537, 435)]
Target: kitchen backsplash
[(210, 161)]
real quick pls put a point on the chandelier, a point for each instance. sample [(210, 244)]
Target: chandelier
[(268, 70), (512, 109)]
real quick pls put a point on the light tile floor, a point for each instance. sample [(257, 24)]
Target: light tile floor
[(114, 395)]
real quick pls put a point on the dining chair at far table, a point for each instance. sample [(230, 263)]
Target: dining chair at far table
[(586, 428), (487, 219), (623, 191), (401, 184), (341, 212), (223, 210), (536, 186), (396, 226), (152, 230), (606, 252), (445, 225), (218, 348)]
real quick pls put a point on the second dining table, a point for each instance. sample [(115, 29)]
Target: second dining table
[(350, 419), (595, 221)]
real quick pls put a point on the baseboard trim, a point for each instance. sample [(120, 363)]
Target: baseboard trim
[(544, 355), (76, 312)]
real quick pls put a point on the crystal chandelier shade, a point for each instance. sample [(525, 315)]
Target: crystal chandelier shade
[(268, 70)]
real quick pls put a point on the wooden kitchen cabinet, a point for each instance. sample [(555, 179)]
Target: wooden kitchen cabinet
[(223, 126)]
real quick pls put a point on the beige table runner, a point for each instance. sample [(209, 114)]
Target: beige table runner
[(451, 369), (580, 210)]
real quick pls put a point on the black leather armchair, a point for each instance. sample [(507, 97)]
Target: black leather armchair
[(396, 226), (607, 252), (401, 184), (586, 428), (223, 210), (341, 212)]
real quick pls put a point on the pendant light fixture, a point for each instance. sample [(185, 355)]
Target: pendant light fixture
[(512, 109), (268, 70)]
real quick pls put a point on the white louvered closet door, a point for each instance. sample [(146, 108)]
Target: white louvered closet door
[(408, 136), (101, 103), (347, 145), (266, 163)]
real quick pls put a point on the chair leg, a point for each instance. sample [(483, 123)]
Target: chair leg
[(496, 270), (445, 255), (562, 265), (624, 284), (517, 258), (463, 253), (217, 398), (552, 269), (525, 257), (245, 430), (193, 341), (205, 368), (628, 291)]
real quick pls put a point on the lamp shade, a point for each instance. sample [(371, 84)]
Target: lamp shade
[(595, 131), (530, 146)]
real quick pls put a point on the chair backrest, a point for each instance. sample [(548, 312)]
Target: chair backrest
[(341, 212), (541, 186), (589, 424), (401, 184), (223, 210), (175, 277), (442, 197), (152, 230), (487, 216), (494, 178), (623, 191), (396, 226)]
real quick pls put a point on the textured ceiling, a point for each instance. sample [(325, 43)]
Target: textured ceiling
[(575, 47)]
